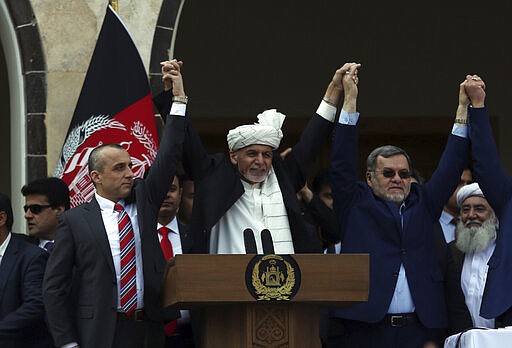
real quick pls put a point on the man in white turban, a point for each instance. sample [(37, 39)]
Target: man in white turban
[(468, 256), (253, 190)]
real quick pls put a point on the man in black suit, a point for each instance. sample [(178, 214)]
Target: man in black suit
[(226, 188), (468, 256), (45, 200), (171, 232), (21, 276), (103, 280)]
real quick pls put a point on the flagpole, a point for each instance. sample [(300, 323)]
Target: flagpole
[(114, 4)]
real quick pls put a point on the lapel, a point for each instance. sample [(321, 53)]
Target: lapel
[(8, 262), (97, 228), (185, 237)]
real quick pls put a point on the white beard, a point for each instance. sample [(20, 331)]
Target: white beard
[(475, 239)]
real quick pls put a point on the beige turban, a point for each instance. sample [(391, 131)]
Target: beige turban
[(266, 132), (468, 191)]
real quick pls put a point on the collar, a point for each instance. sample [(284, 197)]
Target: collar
[(107, 204), (3, 246), (446, 218), (173, 226)]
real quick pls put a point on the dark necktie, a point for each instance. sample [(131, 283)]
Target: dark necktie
[(48, 246), (166, 246), (128, 286)]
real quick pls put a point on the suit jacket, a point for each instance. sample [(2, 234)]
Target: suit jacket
[(459, 317), (22, 321), (80, 287), (497, 187), (218, 186), (186, 238), (372, 225), (324, 219)]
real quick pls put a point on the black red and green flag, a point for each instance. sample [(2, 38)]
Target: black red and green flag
[(115, 106)]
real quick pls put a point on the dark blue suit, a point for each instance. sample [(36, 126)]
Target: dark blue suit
[(372, 225), (21, 301), (497, 187)]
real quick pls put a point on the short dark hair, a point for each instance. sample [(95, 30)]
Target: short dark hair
[(320, 180), (385, 151), (96, 160), (5, 205), (415, 173), (53, 188)]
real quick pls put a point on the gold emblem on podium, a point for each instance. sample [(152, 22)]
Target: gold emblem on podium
[(273, 277)]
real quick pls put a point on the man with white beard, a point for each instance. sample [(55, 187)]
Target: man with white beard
[(467, 260)]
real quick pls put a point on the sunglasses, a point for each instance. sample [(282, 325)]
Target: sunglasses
[(36, 208), (390, 173)]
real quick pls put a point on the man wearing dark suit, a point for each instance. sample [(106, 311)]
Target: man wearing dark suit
[(226, 187), (467, 260), (497, 187), (45, 200), (85, 280), (171, 232), (392, 220), (22, 268)]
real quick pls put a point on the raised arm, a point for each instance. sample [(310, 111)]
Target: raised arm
[(320, 126), (454, 159), (171, 143), (344, 154), (487, 167)]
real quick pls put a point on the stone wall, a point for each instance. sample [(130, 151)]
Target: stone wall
[(68, 32)]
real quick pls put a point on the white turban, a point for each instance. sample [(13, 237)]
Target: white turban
[(266, 132), (468, 191)]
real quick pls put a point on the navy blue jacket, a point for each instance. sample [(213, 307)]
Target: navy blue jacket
[(22, 322), (497, 187), (372, 225)]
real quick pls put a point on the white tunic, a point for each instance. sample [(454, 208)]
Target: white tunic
[(474, 274), (260, 207)]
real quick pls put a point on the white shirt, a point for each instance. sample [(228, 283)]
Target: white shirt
[(445, 220), (3, 246), (109, 217), (42, 243), (472, 282), (174, 237)]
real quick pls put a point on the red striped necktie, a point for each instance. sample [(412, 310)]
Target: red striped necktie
[(128, 284), (166, 245)]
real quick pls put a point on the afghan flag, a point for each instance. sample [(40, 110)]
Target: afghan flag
[(115, 106)]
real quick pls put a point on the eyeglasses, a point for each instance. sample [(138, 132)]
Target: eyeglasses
[(390, 173), (36, 208)]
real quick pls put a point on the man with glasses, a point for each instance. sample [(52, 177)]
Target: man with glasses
[(45, 200), (393, 220), (22, 268)]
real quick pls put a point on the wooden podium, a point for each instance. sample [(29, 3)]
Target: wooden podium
[(231, 317)]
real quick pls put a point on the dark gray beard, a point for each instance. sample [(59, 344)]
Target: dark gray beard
[(475, 239)]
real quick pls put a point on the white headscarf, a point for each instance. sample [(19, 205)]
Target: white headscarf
[(468, 191), (266, 132)]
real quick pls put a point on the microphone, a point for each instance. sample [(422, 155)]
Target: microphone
[(267, 243), (250, 242)]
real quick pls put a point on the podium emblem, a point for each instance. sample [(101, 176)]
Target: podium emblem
[(272, 277)]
